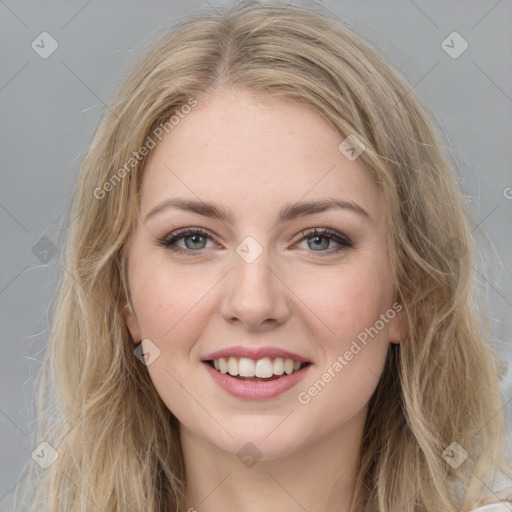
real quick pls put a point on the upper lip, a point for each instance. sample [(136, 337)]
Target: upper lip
[(255, 353)]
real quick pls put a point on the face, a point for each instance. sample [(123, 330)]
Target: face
[(245, 271)]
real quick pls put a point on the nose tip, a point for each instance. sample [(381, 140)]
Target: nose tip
[(253, 295)]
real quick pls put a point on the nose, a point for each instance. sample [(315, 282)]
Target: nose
[(255, 295)]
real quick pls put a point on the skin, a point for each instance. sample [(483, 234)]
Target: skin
[(254, 155)]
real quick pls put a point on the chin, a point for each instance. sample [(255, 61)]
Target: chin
[(265, 443)]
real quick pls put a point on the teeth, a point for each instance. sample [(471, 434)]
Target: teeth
[(262, 368), (223, 364), (278, 366), (232, 366), (245, 367)]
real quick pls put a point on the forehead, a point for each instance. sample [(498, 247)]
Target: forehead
[(254, 154)]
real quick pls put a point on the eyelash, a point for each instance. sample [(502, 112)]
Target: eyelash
[(169, 240)]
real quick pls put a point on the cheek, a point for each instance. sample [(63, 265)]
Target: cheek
[(344, 302), (350, 301), (172, 309), (353, 348), (168, 302)]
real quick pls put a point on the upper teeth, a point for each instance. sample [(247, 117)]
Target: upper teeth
[(264, 368)]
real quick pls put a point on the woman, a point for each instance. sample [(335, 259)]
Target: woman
[(263, 303)]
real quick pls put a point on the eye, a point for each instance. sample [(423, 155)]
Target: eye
[(193, 239), (322, 238)]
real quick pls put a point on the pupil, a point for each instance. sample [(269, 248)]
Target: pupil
[(195, 240), (318, 243)]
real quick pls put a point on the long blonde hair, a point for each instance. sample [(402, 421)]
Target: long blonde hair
[(117, 442)]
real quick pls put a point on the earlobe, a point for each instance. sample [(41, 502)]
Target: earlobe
[(398, 326), (132, 323)]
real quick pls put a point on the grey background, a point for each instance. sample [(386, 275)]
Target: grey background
[(50, 109)]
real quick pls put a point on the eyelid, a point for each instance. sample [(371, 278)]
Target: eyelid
[(177, 234), (169, 239), (326, 232)]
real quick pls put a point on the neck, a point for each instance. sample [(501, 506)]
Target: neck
[(319, 477)]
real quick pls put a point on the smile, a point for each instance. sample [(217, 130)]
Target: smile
[(265, 368), (256, 379)]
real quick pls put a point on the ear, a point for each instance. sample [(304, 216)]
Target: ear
[(398, 326), (132, 323)]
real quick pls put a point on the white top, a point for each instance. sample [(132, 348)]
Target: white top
[(502, 487), (495, 507)]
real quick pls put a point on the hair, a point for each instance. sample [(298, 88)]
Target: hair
[(117, 442)]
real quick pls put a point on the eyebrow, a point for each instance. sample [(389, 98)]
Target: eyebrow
[(287, 213)]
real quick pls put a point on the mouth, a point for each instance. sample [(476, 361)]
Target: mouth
[(261, 370)]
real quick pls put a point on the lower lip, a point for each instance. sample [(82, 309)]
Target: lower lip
[(256, 389)]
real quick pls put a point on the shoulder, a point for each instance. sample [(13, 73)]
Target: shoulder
[(495, 507), (502, 494)]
